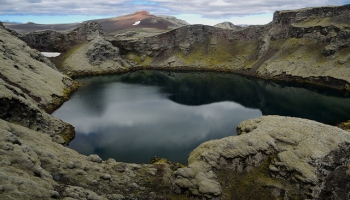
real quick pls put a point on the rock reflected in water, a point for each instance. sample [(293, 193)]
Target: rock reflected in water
[(136, 116)]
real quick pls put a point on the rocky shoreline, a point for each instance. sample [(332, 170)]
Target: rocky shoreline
[(272, 158)]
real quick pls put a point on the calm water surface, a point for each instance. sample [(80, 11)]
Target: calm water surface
[(136, 116)]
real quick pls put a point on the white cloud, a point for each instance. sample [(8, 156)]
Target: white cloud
[(226, 8), (249, 19), (208, 8)]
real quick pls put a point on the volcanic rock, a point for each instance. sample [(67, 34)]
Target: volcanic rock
[(31, 87), (276, 157), (228, 25)]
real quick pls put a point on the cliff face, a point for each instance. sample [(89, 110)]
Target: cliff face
[(54, 41), (308, 45), (193, 47), (304, 45)]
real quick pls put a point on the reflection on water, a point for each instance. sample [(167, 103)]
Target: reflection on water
[(135, 116)]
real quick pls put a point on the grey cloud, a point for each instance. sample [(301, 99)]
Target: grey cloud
[(206, 8), (34, 1), (224, 8)]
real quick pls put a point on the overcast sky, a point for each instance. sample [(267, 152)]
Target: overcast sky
[(208, 12)]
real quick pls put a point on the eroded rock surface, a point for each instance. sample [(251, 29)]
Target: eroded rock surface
[(33, 167), (95, 56), (30, 87), (277, 157), (61, 41)]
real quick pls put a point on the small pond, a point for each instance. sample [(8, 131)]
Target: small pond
[(138, 115)]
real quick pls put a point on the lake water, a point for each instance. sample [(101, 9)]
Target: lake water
[(135, 116)]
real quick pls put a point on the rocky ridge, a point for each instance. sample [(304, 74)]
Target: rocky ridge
[(300, 46), (303, 46)]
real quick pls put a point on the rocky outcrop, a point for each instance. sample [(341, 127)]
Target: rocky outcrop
[(228, 25), (300, 46), (54, 41), (84, 50), (174, 22), (92, 57), (273, 157), (34, 167), (31, 87), (195, 47), (320, 32)]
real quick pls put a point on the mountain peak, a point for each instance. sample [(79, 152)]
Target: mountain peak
[(142, 12)]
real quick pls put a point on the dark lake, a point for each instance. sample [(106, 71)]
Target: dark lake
[(135, 116)]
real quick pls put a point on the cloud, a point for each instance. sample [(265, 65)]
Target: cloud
[(224, 8), (197, 11), (206, 8), (34, 1)]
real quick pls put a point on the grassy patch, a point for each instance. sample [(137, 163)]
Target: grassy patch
[(221, 53), (317, 21), (295, 49)]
